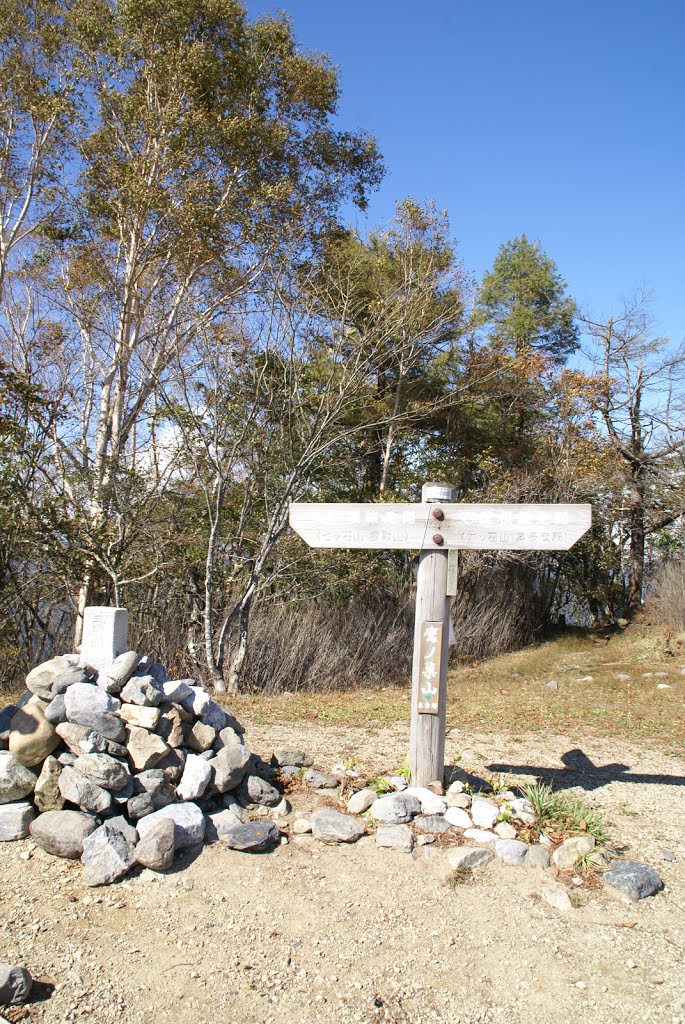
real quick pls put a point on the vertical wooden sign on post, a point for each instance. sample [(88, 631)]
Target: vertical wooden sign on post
[(432, 619), (438, 528)]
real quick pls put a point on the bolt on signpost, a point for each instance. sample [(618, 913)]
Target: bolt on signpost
[(435, 528)]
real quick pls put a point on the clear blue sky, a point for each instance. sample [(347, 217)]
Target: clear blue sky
[(563, 121)]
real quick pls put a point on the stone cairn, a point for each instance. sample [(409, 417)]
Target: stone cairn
[(124, 767)]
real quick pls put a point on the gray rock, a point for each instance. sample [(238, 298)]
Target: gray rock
[(178, 690), (571, 850), (118, 673), (229, 767), (469, 857), (15, 984), (537, 857), (291, 771), (395, 808), (395, 837), (147, 667), (214, 716), (255, 790), (668, 855), (229, 803), (360, 801), (56, 711), (434, 824), (120, 823), (85, 699), (201, 737), (195, 779), (40, 679), (140, 805), (15, 819), (143, 691), (320, 780), (513, 851), (172, 727), (172, 765), (156, 849), (188, 819), (47, 795), (64, 680), (107, 856), (252, 837), (104, 770), (145, 749), (635, 879), (152, 781), (196, 701), (79, 790), (227, 737), (333, 827), (16, 781), (61, 833), (220, 822), (298, 758), (206, 755), (83, 740), (31, 736), (65, 758), (6, 716)]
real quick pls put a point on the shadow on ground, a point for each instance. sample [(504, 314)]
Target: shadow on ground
[(579, 770)]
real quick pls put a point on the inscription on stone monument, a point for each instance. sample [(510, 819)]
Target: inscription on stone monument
[(105, 635)]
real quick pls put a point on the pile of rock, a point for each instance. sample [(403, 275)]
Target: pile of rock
[(124, 766)]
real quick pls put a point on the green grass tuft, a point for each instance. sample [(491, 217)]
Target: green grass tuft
[(561, 812)]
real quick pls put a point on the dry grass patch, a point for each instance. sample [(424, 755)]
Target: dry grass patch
[(513, 692)]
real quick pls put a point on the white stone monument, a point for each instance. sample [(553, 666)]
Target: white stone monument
[(105, 635)]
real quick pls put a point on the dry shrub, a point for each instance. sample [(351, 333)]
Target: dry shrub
[(666, 604), (306, 646), (503, 603)]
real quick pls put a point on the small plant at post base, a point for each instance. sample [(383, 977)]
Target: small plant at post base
[(404, 771), (564, 815), (379, 786)]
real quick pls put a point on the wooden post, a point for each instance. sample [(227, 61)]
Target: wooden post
[(427, 734)]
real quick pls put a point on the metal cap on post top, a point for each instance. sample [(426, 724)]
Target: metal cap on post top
[(438, 491)]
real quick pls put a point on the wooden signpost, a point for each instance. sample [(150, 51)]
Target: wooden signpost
[(435, 527)]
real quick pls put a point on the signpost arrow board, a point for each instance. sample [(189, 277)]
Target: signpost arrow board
[(435, 527), (484, 527)]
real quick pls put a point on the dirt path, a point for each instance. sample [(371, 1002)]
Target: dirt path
[(317, 934)]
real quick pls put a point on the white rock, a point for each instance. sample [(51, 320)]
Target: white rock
[(431, 803), (511, 850), (457, 817), (188, 819), (479, 835), (360, 801), (398, 783), (663, 686), (15, 819), (140, 716), (177, 690), (484, 812), (196, 775), (469, 857), (302, 826)]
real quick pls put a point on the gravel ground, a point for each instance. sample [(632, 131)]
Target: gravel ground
[(311, 933)]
